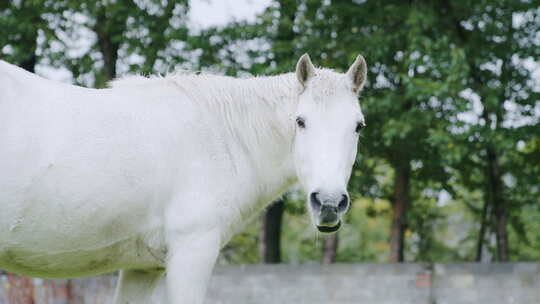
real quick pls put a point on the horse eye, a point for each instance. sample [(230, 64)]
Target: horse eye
[(300, 122), (360, 126)]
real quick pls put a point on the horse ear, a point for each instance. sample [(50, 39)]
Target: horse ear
[(304, 69), (358, 73)]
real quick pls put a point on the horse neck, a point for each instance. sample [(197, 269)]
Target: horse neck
[(266, 130), (257, 114)]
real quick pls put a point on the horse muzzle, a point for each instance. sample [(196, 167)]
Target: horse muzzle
[(327, 213)]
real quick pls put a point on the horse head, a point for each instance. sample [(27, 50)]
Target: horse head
[(328, 122)]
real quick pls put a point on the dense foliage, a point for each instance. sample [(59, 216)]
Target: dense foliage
[(448, 168)]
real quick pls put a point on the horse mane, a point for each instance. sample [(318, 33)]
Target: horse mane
[(326, 79), (206, 87), (142, 80)]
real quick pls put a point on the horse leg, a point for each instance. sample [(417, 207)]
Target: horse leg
[(189, 267), (140, 287)]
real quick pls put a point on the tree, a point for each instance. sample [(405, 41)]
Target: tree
[(496, 44), (139, 37), (270, 234), (21, 22), (330, 247)]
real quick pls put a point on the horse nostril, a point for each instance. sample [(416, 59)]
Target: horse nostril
[(329, 214), (314, 200), (343, 204)]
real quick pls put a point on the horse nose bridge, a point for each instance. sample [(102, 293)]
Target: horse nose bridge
[(329, 149), (332, 198), (331, 171)]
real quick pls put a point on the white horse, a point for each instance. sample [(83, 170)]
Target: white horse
[(154, 176)]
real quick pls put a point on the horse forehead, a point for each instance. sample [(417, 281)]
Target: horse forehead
[(331, 92), (335, 99), (329, 86)]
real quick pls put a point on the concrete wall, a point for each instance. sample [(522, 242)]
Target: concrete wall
[(486, 283), (315, 284)]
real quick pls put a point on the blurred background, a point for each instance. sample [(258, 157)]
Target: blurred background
[(449, 166)]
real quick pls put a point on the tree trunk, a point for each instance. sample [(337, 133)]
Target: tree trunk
[(401, 203), (482, 233), (500, 218), (503, 251), (29, 38), (270, 239), (330, 247), (107, 46), (29, 64), (109, 50)]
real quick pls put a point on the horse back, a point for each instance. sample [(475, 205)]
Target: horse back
[(84, 174)]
